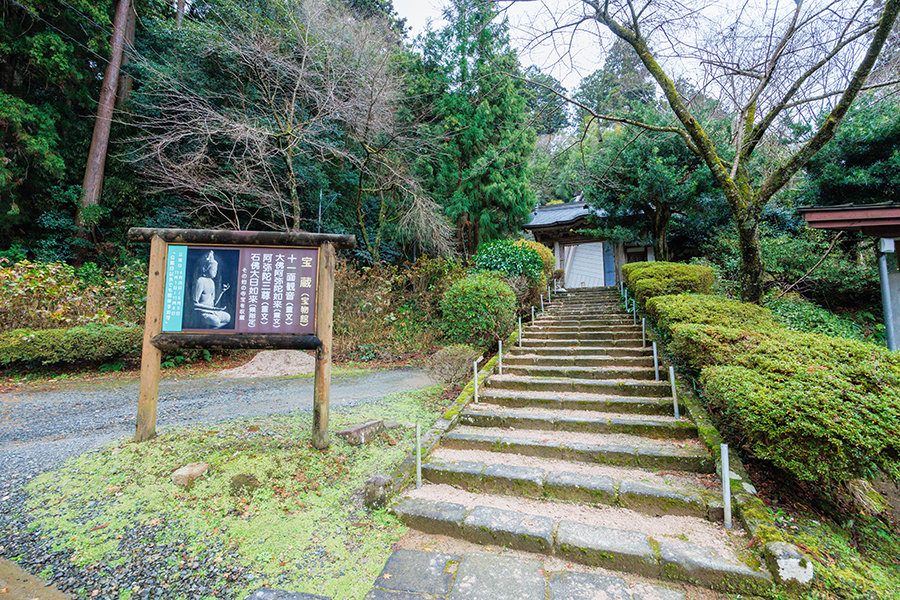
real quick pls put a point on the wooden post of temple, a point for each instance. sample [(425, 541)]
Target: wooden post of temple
[(324, 314), (150, 354)]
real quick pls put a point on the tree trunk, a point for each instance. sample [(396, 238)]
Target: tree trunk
[(96, 162), (125, 80), (179, 13), (751, 259), (659, 228)]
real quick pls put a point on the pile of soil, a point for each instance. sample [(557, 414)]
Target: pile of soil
[(274, 363)]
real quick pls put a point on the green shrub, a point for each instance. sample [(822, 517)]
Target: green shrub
[(801, 315), (452, 364), (707, 309), (512, 259), (545, 254), (820, 424), (649, 279), (478, 310), (73, 345)]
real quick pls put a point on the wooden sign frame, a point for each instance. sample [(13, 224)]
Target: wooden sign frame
[(155, 340)]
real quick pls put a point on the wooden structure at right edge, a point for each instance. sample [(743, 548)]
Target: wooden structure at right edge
[(159, 308)]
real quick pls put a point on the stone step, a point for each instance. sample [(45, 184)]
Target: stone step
[(578, 351), (615, 387), (577, 361), (659, 427), (581, 330), (616, 549), (585, 322), (641, 372), (653, 499), (619, 449), (582, 336), (419, 574), (569, 342), (640, 405)]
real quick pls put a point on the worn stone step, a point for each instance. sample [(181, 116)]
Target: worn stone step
[(577, 351), (547, 321), (538, 334), (522, 359), (620, 450), (615, 387), (538, 327), (659, 427), (580, 401), (616, 549), (652, 499), (569, 342), (644, 373)]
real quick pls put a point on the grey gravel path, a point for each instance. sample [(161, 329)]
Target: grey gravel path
[(40, 427)]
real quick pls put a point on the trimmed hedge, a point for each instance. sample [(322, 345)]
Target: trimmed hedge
[(479, 310), (826, 409), (650, 279), (545, 254), (709, 310), (512, 259), (822, 424), (73, 345)]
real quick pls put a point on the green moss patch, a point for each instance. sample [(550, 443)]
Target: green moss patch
[(308, 503)]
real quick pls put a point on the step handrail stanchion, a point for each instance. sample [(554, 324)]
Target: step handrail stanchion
[(475, 368), (418, 457), (674, 392), (656, 361), (532, 313), (520, 332), (634, 310), (542, 304), (726, 486), (644, 332), (500, 357)]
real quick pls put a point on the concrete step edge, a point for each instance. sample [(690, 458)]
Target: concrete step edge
[(618, 550), (667, 429)]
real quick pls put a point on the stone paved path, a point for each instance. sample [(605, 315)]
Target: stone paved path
[(574, 451)]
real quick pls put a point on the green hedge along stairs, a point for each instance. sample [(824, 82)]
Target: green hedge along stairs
[(574, 451)]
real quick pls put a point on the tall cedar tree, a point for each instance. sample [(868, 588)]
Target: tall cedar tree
[(479, 120)]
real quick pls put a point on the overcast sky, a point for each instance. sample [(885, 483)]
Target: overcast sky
[(418, 12)]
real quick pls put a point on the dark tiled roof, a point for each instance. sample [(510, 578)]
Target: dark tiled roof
[(561, 214)]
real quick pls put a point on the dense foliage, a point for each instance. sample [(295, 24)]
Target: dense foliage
[(822, 408), (479, 310), (649, 279), (452, 364), (72, 345)]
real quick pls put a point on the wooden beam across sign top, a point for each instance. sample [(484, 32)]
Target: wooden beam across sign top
[(150, 354), (324, 315)]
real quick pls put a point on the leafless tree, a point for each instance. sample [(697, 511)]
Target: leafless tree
[(767, 62), (309, 86)]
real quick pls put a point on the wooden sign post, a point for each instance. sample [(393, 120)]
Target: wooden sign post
[(238, 289)]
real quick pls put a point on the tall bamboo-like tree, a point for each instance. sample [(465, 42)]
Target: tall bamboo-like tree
[(765, 63), (479, 118)]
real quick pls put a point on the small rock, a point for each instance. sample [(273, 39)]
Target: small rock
[(363, 433), (113, 489), (244, 483), (392, 425), (189, 473), (377, 490)]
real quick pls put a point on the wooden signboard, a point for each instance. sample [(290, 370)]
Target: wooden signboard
[(238, 289)]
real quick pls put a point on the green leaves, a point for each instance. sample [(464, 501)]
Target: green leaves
[(478, 310)]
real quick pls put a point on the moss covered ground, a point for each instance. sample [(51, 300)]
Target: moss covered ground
[(304, 528)]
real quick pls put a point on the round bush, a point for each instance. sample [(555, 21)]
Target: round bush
[(512, 259), (478, 310), (546, 255), (452, 364)]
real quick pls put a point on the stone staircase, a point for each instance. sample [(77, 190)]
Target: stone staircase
[(574, 451)]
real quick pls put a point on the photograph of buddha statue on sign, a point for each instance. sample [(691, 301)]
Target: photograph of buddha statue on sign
[(210, 289)]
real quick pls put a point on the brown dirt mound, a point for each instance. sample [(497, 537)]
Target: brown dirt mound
[(274, 363)]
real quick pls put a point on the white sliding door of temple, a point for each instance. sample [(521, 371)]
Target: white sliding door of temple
[(586, 265)]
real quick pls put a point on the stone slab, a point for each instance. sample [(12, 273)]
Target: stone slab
[(273, 594), (483, 577), (441, 518), (577, 487), (377, 594), (518, 481), (416, 571), (658, 500), (704, 566), (587, 586), (507, 528), (453, 472), (615, 549), (362, 433)]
